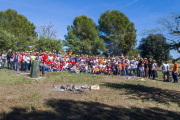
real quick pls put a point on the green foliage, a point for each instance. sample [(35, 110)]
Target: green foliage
[(83, 36), (18, 25), (154, 46), (117, 31), (133, 52), (7, 41), (170, 29), (48, 44)]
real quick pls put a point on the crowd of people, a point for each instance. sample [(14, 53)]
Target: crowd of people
[(53, 61)]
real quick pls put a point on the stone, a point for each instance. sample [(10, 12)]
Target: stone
[(63, 87), (69, 87), (94, 87)]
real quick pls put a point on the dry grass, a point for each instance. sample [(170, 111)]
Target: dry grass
[(24, 98)]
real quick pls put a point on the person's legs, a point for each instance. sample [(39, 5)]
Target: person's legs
[(135, 71), (27, 66), (18, 66), (8, 63), (154, 73), (127, 71), (164, 76), (150, 73), (3, 64), (11, 65), (21, 63), (175, 77)]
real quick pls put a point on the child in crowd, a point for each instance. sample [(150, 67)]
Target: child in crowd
[(119, 68)]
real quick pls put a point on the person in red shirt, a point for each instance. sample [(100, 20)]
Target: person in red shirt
[(44, 57), (61, 66), (109, 69), (73, 62), (69, 61)]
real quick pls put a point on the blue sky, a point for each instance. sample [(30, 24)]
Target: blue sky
[(144, 13)]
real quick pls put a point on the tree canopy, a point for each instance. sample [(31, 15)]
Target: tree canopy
[(7, 41), (82, 36), (117, 31), (18, 25), (154, 46), (48, 44), (170, 28)]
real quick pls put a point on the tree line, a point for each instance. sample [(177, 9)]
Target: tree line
[(114, 34)]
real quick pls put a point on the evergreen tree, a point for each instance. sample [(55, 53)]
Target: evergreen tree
[(18, 25), (117, 31), (82, 36)]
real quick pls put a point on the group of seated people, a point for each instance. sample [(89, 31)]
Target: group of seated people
[(118, 65)]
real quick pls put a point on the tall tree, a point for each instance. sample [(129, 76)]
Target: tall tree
[(48, 44), (117, 31), (154, 46), (18, 25), (82, 36), (170, 28), (7, 41), (47, 30)]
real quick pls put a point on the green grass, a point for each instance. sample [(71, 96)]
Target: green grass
[(22, 97)]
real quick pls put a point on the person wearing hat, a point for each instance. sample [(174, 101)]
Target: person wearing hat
[(9, 63), (132, 66), (76, 58), (51, 57), (70, 52), (60, 54), (154, 68)]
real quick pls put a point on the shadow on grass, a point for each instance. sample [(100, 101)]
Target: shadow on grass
[(147, 93), (69, 109)]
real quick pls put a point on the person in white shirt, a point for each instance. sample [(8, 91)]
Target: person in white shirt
[(165, 70), (51, 57), (132, 66)]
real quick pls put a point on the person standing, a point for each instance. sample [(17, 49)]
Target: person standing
[(24, 62), (154, 68), (165, 70), (175, 71), (9, 55), (12, 61), (4, 59), (15, 63), (20, 59), (138, 60), (150, 67)]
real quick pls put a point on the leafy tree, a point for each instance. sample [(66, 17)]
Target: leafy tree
[(133, 52), (18, 25), (154, 46), (48, 44), (117, 31), (170, 29), (7, 41), (82, 36)]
